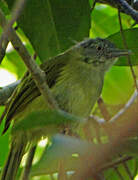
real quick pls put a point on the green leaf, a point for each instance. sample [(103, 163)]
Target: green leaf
[(4, 140), (118, 85), (102, 27), (131, 36), (45, 122), (13, 63), (4, 7), (52, 25)]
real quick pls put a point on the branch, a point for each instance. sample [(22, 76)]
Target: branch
[(118, 173), (18, 7), (124, 128), (126, 47), (130, 102), (7, 91), (93, 6), (128, 170), (26, 172), (116, 163), (128, 9), (127, 105), (103, 109), (3, 48), (37, 74)]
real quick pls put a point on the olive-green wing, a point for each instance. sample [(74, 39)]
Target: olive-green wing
[(27, 89)]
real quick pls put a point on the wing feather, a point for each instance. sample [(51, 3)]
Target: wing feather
[(27, 89)]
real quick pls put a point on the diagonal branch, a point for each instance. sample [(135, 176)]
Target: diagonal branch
[(25, 175), (103, 109), (116, 163), (37, 74), (128, 9), (3, 47), (18, 7), (127, 105)]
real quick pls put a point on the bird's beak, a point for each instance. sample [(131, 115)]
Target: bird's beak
[(114, 52)]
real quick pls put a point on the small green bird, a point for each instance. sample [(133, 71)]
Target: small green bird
[(75, 78)]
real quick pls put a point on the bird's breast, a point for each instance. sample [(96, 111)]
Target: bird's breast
[(77, 90)]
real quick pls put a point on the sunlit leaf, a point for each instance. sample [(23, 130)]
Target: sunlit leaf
[(131, 36), (118, 85)]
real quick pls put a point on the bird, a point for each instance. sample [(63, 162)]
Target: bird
[(75, 78)]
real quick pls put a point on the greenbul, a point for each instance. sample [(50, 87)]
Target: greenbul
[(75, 78)]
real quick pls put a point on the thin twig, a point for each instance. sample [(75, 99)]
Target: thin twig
[(7, 91), (124, 164), (103, 109), (18, 7), (28, 164), (122, 111), (92, 9), (93, 5), (37, 74), (104, 112), (136, 168), (128, 9), (127, 170), (118, 173), (115, 164), (125, 46), (3, 49), (127, 105)]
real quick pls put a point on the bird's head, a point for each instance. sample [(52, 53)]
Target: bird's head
[(101, 53)]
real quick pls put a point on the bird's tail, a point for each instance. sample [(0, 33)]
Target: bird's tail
[(13, 162)]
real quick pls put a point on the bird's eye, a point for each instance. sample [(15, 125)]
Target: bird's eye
[(99, 48)]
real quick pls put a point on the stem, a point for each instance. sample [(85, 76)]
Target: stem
[(126, 47), (128, 9), (18, 7), (28, 164)]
